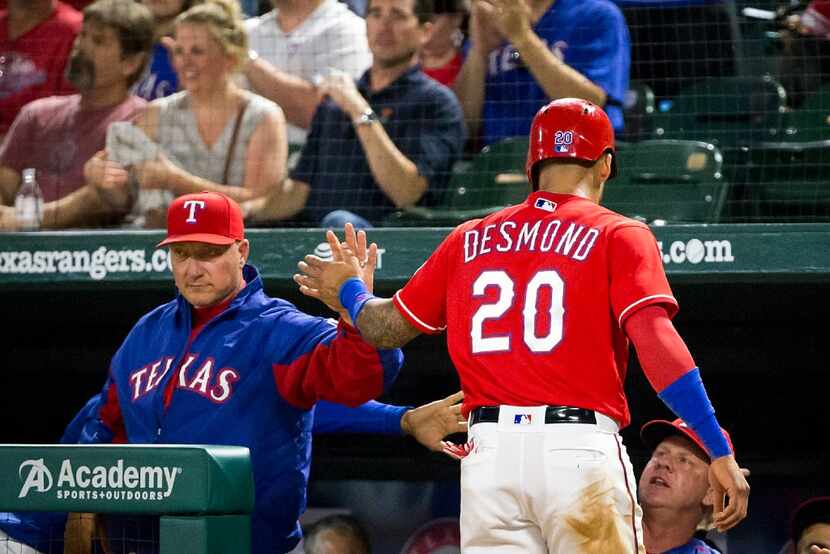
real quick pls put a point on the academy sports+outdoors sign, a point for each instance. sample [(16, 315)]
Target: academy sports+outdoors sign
[(126, 478), (140, 483)]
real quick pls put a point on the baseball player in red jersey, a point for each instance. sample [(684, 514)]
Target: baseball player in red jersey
[(539, 302)]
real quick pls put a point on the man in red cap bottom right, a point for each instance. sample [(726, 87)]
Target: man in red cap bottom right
[(674, 490), (810, 526)]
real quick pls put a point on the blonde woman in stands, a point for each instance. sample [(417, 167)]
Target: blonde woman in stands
[(211, 136)]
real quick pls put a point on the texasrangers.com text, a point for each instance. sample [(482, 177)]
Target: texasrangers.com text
[(96, 263), (694, 251)]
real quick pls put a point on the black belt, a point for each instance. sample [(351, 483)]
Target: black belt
[(553, 414)]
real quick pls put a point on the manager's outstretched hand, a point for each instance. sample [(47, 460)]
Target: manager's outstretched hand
[(322, 279), (432, 422)]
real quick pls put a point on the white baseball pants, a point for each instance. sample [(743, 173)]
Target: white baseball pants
[(529, 487)]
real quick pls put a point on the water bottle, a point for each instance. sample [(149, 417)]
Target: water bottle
[(28, 204)]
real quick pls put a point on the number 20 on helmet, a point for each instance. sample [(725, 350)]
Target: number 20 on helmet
[(569, 128)]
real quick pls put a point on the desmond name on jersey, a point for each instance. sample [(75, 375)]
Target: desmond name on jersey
[(564, 238)]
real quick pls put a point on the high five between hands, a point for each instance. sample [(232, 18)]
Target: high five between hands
[(322, 279)]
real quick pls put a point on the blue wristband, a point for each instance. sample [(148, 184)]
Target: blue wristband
[(353, 296), (687, 398)]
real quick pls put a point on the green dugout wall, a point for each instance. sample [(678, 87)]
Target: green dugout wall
[(754, 300), (69, 261)]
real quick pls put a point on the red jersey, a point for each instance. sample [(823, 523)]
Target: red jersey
[(32, 65), (447, 73), (533, 298), (816, 18)]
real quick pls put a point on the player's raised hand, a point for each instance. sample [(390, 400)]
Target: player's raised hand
[(731, 492), (432, 422), (367, 256), (322, 279)]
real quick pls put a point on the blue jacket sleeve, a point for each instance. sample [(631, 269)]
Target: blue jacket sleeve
[(82, 423), (317, 359), (371, 417), (86, 427)]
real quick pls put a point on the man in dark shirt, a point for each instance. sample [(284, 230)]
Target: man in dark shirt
[(385, 142)]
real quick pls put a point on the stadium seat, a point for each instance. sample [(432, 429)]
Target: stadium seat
[(494, 179), (727, 111), (790, 181), (810, 122), (669, 180), (638, 112)]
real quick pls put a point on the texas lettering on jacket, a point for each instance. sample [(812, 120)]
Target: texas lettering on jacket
[(216, 385)]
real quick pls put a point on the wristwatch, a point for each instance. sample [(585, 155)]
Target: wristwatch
[(367, 117)]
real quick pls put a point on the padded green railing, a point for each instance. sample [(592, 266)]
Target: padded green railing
[(204, 494)]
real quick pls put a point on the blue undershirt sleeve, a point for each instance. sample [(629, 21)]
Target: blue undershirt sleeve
[(371, 417), (687, 398)]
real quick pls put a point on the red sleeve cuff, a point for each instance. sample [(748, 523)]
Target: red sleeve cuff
[(667, 301)]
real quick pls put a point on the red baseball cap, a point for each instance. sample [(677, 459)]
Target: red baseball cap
[(653, 433), (812, 511), (204, 217)]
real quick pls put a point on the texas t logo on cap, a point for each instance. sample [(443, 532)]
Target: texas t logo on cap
[(207, 217), (193, 204)]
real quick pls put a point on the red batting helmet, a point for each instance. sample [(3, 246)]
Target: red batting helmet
[(569, 128)]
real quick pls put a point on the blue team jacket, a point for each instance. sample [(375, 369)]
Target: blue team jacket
[(694, 546), (249, 378)]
